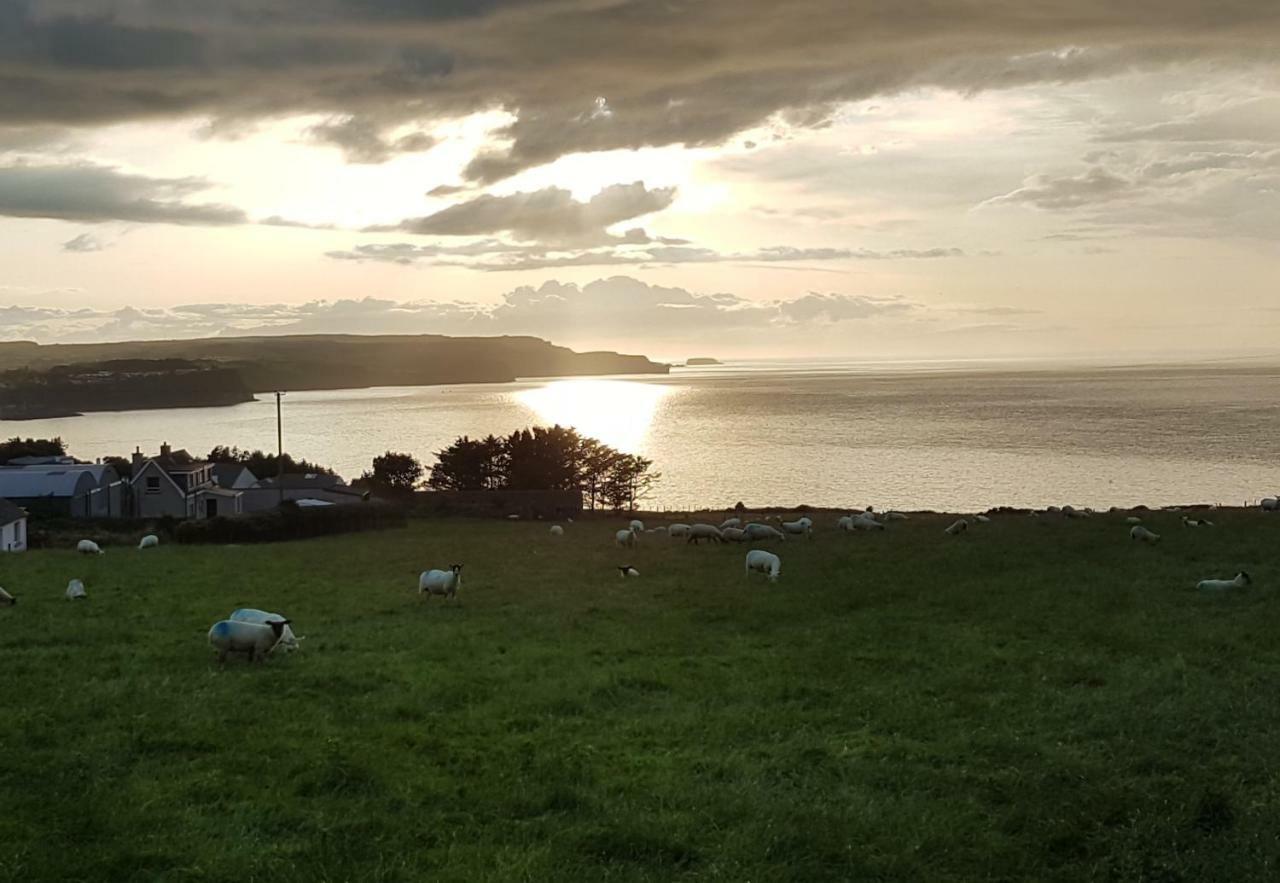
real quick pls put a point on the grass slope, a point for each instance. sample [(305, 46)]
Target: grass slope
[(1039, 699)]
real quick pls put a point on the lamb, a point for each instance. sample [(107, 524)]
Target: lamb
[(866, 522), (441, 582), (625, 538), (1138, 532), (678, 530), (1192, 522), (288, 641), (7, 600), (705, 532), (957, 527), (89, 547), (637, 526), (798, 527), (150, 541), (733, 535), (731, 522), (626, 570), (1133, 519), (756, 531), (256, 639), (557, 530), (764, 562), (75, 590), (1241, 580)]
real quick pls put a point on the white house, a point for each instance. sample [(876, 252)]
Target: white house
[(13, 528), (177, 485)]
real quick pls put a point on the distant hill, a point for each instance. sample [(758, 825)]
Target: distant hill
[(305, 362), (702, 360)]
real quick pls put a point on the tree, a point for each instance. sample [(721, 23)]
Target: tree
[(543, 458), (470, 465), (265, 465), (628, 481), (397, 474), (31, 447)]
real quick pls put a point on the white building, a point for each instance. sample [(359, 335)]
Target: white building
[(13, 528)]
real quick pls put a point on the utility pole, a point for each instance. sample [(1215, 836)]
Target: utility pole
[(279, 447)]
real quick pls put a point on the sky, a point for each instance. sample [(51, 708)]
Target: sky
[(911, 179)]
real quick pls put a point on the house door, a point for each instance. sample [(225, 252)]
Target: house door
[(210, 508)]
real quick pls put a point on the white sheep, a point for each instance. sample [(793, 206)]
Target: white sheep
[(805, 520), (733, 535), (1133, 519), (7, 600), (150, 541), (678, 530), (441, 582), (256, 639), (1271, 504), (764, 562), (1138, 532), (845, 522), (982, 519), (75, 590), (866, 521), (731, 522), (557, 530), (625, 537), (637, 526), (1241, 580), (89, 547), (700, 532), (756, 531), (896, 516), (957, 527), (1192, 522), (288, 641), (798, 527), (626, 570)]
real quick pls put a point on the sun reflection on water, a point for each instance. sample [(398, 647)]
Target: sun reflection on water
[(617, 412)]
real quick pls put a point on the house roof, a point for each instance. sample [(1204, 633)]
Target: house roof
[(102, 474), (296, 481), (179, 461), (9, 513), (227, 473), (218, 492), (25, 484)]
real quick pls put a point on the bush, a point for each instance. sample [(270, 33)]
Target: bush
[(289, 522), (62, 532)]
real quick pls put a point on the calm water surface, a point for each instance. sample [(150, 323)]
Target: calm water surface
[(955, 437)]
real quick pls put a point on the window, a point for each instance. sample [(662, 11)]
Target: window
[(153, 484)]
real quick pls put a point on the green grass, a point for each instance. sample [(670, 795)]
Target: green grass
[(1036, 700)]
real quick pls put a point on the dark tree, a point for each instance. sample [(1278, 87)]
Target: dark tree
[(628, 481), (265, 465), (543, 459), (122, 465), (31, 447), (397, 474), (470, 465)]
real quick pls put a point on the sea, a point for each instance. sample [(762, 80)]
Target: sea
[(950, 436)]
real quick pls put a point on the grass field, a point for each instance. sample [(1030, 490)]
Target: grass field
[(1040, 699)]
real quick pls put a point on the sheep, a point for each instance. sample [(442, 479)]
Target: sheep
[(637, 526), (626, 538), (733, 535), (798, 527), (896, 516), (982, 519), (75, 590), (705, 532), (1133, 519), (89, 547), (288, 641), (441, 582), (1053, 509), (755, 531), (845, 522), (1138, 532), (866, 522), (805, 520), (764, 562), (957, 527), (731, 522), (557, 530), (150, 541), (678, 530), (662, 528), (1192, 522), (7, 600), (256, 639), (1241, 580), (626, 570), (1271, 504)]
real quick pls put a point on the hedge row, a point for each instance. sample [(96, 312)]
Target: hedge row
[(289, 522)]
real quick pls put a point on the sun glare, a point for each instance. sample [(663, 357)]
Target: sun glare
[(616, 412)]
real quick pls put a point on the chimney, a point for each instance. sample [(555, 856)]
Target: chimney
[(137, 457), (165, 450)]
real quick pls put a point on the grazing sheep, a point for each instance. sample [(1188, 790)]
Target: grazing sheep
[(731, 522), (982, 519), (733, 535), (845, 522), (441, 582), (1271, 504), (626, 537), (637, 526), (557, 530), (75, 590), (957, 527), (896, 516), (89, 547), (1133, 519), (678, 530), (764, 562), (288, 641), (1241, 580), (1193, 522), (626, 570), (1053, 509), (1138, 532), (256, 639), (865, 521), (798, 527), (700, 532), (755, 531), (150, 541), (805, 520), (7, 600)]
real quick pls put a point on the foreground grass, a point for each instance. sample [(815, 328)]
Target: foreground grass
[(1039, 699)]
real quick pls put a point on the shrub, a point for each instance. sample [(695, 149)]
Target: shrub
[(289, 522)]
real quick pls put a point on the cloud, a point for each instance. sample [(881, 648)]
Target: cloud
[(547, 215), (1068, 192), (1256, 119), (93, 193), (362, 141), (579, 75), (85, 242)]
